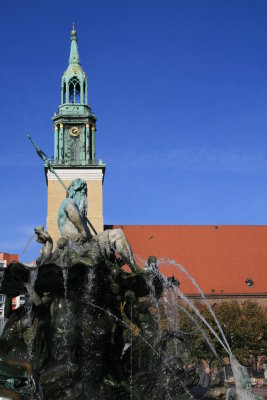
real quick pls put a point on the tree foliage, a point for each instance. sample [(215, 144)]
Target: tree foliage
[(244, 326)]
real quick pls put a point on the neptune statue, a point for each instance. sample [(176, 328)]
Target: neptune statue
[(73, 225)]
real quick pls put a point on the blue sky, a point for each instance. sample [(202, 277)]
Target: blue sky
[(180, 92)]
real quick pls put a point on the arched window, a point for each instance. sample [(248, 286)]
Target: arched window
[(74, 90), (64, 92), (84, 93)]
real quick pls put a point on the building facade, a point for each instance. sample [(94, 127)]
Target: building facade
[(6, 258), (5, 302)]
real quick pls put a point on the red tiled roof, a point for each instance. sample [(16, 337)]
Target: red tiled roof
[(220, 258)]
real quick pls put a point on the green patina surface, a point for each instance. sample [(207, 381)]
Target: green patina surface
[(75, 124)]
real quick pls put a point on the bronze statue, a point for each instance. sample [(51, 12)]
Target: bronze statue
[(72, 224), (43, 236)]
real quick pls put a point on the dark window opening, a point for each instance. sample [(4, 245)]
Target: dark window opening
[(74, 90), (84, 90), (64, 93)]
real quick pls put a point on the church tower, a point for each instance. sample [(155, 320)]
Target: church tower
[(74, 146)]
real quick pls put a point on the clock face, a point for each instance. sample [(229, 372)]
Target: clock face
[(74, 131)]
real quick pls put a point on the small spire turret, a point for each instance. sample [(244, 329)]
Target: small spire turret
[(75, 124), (74, 54)]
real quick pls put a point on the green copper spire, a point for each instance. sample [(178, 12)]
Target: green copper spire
[(74, 54), (75, 124), (74, 81)]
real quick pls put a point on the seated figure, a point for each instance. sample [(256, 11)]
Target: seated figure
[(72, 222), (72, 213)]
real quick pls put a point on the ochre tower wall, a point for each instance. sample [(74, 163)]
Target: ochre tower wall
[(56, 194)]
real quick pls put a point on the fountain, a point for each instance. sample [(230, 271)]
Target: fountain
[(91, 330), (86, 330)]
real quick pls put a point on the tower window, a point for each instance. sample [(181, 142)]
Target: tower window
[(64, 93), (74, 90)]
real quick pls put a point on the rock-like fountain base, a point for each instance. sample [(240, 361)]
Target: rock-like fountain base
[(86, 331)]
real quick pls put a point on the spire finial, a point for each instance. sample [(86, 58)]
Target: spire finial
[(74, 55), (73, 32)]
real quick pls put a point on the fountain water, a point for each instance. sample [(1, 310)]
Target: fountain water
[(78, 308), (243, 389), (183, 269), (96, 330), (30, 288)]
